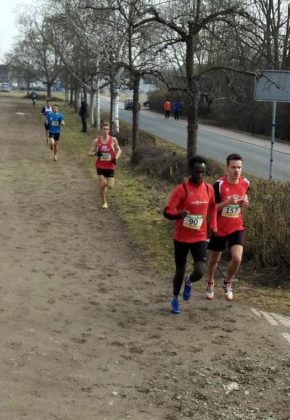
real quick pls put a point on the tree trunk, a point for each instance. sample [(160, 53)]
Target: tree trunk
[(135, 130), (97, 109), (71, 96), (111, 103), (48, 91), (115, 116), (192, 123), (193, 95)]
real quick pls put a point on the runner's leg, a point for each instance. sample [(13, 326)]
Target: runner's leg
[(212, 266), (234, 265), (103, 188), (180, 254), (110, 182)]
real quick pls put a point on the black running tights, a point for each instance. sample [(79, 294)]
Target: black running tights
[(199, 254)]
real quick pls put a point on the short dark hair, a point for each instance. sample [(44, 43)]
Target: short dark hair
[(234, 156), (196, 159)]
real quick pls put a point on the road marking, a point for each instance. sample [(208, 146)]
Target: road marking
[(269, 318), (275, 320), (255, 312), (287, 336), (284, 320)]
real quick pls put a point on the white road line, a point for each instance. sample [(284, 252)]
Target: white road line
[(275, 319), (284, 320), (269, 318), (255, 312), (287, 336)]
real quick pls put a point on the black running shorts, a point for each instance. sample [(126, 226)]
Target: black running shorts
[(107, 173), (219, 243)]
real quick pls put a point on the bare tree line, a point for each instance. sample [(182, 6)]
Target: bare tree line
[(187, 45)]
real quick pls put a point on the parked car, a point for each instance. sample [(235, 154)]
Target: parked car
[(128, 104), (4, 87), (146, 104)]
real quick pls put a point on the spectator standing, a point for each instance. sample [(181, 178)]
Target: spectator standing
[(83, 113), (167, 108), (176, 109)]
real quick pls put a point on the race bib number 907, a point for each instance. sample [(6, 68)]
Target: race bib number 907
[(193, 221)]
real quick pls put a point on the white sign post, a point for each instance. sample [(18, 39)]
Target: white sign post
[(273, 86)]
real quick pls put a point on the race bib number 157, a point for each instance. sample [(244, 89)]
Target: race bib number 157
[(232, 210)]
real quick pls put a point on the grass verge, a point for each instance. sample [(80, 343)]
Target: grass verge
[(139, 201)]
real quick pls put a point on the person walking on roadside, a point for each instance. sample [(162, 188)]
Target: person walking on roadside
[(231, 194), (191, 204), (83, 113), (176, 109), (44, 111), (167, 108), (33, 97), (108, 151), (54, 122)]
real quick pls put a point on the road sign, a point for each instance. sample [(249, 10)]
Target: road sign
[(273, 86)]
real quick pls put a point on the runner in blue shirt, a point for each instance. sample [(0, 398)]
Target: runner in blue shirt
[(54, 120)]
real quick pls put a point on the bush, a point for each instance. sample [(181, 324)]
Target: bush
[(268, 223), (267, 220)]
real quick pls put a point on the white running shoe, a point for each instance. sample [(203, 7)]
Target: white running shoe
[(209, 293), (228, 291)]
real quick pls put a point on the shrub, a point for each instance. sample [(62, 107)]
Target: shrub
[(267, 220), (268, 223)]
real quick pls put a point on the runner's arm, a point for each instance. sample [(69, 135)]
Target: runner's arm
[(117, 148), (93, 149), (245, 201), (171, 211), (212, 210)]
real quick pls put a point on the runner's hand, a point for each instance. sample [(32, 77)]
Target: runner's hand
[(244, 202), (183, 214), (99, 154), (114, 161)]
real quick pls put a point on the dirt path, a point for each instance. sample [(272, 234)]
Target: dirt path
[(85, 325)]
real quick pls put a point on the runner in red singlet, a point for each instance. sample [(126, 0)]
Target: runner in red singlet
[(107, 150), (231, 195), (190, 205)]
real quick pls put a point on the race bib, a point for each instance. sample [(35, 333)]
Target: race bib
[(233, 210), (106, 156), (55, 123), (193, 221)]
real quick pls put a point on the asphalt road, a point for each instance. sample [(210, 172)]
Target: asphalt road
[(217, 143)]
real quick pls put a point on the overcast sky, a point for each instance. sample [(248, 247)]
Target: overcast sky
[(8, 28)]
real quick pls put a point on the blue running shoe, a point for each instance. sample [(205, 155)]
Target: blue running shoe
[(187, 289), (175, 306)]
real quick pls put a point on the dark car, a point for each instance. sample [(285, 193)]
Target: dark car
[(128, 104), (146, 104)]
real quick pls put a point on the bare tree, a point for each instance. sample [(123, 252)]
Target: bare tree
[(191, 24), (138, 51), (21, 61)]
